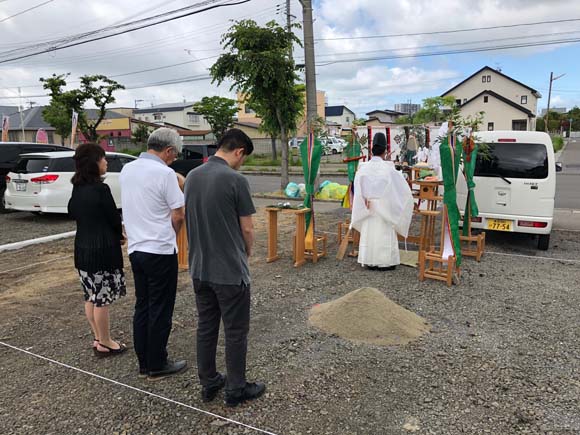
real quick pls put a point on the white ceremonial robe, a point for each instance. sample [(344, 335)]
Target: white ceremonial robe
[(390, 211)]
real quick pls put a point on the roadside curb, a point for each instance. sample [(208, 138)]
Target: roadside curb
[(323, 173), (280, 198)]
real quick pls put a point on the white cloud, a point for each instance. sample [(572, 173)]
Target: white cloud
[(363, 85)]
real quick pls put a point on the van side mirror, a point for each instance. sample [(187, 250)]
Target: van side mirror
[(558, 166)]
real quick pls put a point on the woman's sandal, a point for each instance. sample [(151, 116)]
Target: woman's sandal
[(110, 352)]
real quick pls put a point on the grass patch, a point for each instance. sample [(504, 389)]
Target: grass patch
[(558, 143), (267, 161)]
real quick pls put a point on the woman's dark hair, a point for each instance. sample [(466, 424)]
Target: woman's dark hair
[(379, 144), (87, 157)]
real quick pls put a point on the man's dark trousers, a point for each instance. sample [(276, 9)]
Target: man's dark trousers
[(155, 288), (230, 303)]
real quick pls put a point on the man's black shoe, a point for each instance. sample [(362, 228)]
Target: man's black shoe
[(170, 368), (251, 391), (209, 393)]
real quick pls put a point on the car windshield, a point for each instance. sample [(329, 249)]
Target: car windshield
[(513, 160), (30, 165)]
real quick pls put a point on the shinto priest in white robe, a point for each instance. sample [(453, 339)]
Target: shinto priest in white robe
[(390, 209)]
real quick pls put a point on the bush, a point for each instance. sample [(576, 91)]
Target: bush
[(558, 143)]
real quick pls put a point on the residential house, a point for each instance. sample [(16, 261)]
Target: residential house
[(114, 130), (7, 110), (384, 117), (32, 121), (507, 103), (179, 114), (340, 115), (127, 111), (248, 118)]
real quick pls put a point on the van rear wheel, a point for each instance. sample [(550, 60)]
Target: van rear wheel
[(543, 242)]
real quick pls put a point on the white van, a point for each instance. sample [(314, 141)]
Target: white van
[(515, 184)]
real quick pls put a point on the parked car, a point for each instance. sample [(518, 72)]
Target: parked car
[(332, 145), (40, 182), (515, 184), (193, 156), (9, 155)]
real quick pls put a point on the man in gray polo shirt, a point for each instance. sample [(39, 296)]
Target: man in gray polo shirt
[(219, 211)]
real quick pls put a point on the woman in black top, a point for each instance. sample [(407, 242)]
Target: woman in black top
[(98, 241)]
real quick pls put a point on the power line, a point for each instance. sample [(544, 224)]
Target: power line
[(451, 44), (26, 10), (452, 52), (120, 32), (145, 46), (439, 32)]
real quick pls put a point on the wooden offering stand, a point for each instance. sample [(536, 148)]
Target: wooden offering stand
[(182, 249), (299, 251), (472, 245), (428, 193), (433, 265), (353, 237)]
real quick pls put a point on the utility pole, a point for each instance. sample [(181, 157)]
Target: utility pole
[(552, 79), (309, 64), (137, 101), (289, 22), (20, 109)]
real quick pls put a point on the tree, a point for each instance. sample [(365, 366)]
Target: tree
[(259, 64), (219, 113), (140, 135), (359, 122), (434, 109), (96, 88)]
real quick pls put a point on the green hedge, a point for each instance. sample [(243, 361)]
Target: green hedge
[(558, 143)]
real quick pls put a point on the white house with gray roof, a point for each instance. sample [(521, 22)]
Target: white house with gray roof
[(177, 114), (508, 104)]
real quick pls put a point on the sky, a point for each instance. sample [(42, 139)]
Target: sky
[(345, 31)]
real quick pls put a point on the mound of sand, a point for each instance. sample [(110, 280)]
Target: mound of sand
[(368, 316)]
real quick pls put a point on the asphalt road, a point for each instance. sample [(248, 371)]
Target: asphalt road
[(567, 187), (568, 181)]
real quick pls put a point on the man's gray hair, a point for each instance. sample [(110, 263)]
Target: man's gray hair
[(164, 137)]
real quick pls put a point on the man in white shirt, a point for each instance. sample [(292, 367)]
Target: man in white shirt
[(153, 213), (383, 207)]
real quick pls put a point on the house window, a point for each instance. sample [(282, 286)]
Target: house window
[(248, 110), (483, 79), (488, 79), (193, 118), (458, 101), (485, 99), (348, 119), (158, 116), (464, 100), (490, 126), (524, 99)]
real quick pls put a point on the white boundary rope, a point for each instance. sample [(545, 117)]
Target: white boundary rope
[(25, 243), (148, 393)]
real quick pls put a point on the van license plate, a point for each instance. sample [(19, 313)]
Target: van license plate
[(20, 187), (499, 225)]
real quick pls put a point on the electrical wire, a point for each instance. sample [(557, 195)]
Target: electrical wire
[(26, 10), (439, 32), (453, 52), (121, 32)]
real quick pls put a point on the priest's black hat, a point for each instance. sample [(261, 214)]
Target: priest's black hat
[(379, 144)]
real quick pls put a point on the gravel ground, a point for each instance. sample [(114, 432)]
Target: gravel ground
[(18, 226), (503, 356)]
